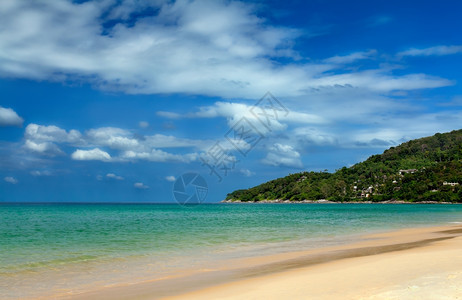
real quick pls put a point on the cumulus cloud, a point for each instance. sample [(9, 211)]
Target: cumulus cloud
[(46, 148), (43, 139), (216, 48), (170, 178), (141, 186), (144, 147), (46, 140), (437, 51), (170, 141), (93, 154), (157, 155), (122, 139), (114, 138), (51, 133), (11, 180), (9, 117), (114, 176), (381, 132), (283, 155)]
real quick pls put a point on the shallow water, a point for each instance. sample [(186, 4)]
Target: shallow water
[(72, 247)]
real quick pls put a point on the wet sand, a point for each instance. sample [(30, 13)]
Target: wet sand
[(417, 263)]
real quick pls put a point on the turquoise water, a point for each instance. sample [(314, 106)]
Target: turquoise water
[(79, 244)]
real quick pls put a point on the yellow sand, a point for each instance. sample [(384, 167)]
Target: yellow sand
[(422, 263), (432, 271)]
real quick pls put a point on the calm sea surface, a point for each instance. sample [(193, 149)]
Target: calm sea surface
[(71, 247)]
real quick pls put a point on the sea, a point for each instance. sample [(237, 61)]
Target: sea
[(63, 249)]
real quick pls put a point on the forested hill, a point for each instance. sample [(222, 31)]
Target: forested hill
[(426, 169)]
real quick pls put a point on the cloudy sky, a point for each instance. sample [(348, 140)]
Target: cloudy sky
[(115, 100)]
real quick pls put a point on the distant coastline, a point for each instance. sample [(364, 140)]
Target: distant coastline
[(324, 201), (425, 170)]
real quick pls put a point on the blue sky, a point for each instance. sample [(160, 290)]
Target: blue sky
[(115, 100)]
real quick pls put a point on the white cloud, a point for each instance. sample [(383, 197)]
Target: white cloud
[(234, 112), (283, 155), (93, 154), (181, 48), (9, 117), (46, 148), (157, 155), (141, 186), (121, 139), (169, 141), (114, 176), (388, 123), (143, 124), (246, 172), (43, 139), (385, 136), (38, 173), (11, 180), (217, 48), (379, 81), (403, 128), (170, 178), (114, 138), (51, 134), (437, 51), (311, 135), (351, 57)]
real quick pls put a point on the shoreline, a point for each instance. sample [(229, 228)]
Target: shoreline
[(324, 201), (268, 276)]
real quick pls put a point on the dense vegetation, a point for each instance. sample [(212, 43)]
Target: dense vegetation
[(426, 169)]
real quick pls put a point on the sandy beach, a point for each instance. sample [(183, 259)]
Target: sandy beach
[(418, 263)]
